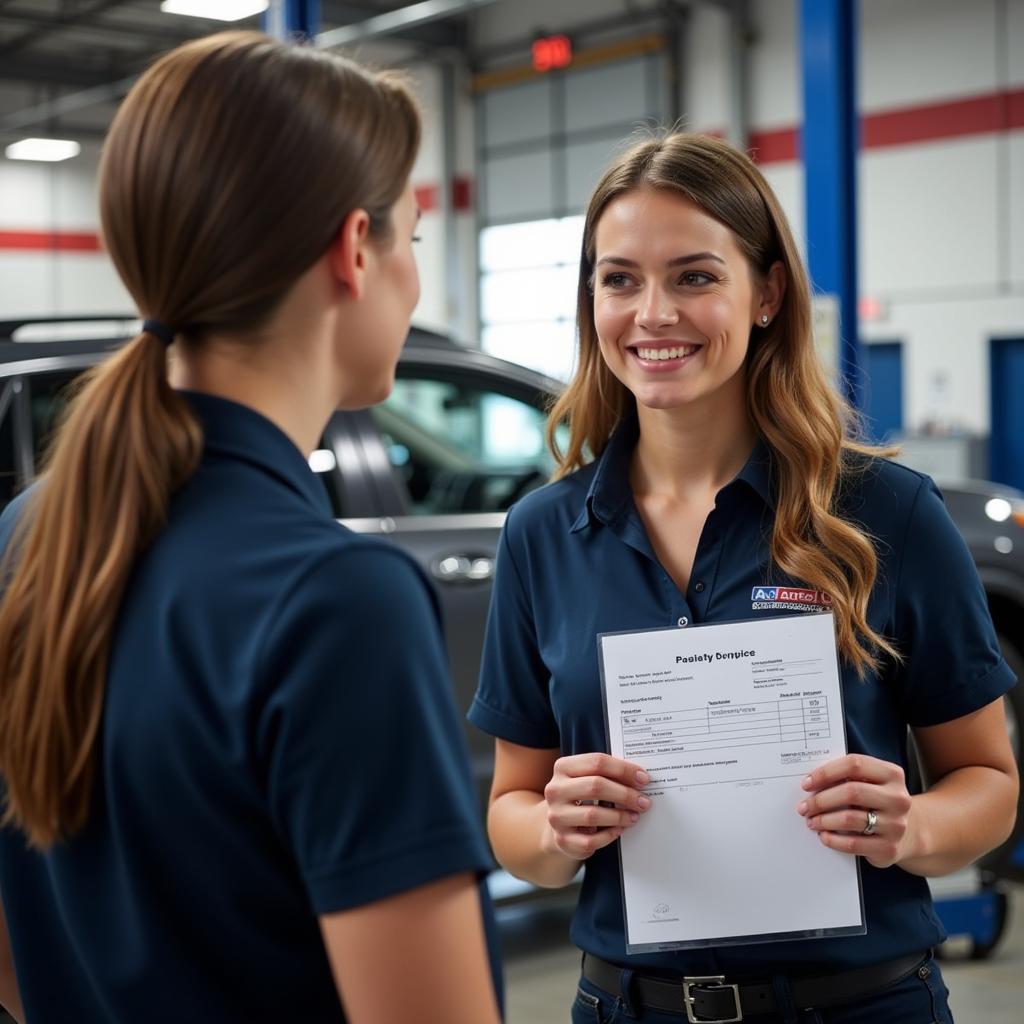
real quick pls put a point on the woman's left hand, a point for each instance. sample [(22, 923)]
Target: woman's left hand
[(860, 805)]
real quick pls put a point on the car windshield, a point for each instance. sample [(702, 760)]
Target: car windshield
[(462, 447)]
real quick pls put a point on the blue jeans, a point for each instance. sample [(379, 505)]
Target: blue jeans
[(920, 998)]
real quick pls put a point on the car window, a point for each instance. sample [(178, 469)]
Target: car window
[(8, 463), (460, 447), (47, 396), (50, 393)]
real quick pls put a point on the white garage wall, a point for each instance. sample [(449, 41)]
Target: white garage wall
[(54, 197), (937, 244), (62, 198), (920, 51)]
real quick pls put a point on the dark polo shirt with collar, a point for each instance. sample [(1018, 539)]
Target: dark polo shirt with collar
[(279, 741), (575, 561)]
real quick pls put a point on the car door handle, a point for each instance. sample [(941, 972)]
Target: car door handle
[(462, 568)]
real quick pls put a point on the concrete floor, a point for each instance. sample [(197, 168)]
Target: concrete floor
[(541, 968)]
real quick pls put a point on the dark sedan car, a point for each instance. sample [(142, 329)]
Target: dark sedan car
[(437, 465)]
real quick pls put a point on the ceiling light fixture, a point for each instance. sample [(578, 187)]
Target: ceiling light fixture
[(217, 10), (50, 150)]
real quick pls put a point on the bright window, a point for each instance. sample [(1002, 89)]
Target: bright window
[(528, 283)]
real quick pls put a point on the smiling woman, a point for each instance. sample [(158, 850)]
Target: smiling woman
[(674, 300), (710, 471), (743, 305)]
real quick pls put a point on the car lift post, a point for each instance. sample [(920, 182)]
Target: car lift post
[(293, 21), (830, 140), (967, 903)]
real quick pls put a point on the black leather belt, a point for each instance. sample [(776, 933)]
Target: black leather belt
[(713, 1000)]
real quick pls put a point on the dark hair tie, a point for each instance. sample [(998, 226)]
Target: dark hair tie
[(159, 330)]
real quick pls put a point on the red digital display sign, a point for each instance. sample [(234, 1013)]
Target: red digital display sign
[(551, 52)]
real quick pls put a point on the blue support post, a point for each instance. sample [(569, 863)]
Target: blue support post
[(293, 21), (831, 138)]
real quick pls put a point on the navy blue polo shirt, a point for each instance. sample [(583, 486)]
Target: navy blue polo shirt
[(575, 561), (279, 741)]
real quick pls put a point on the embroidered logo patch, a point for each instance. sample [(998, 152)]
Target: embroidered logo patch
[(789, 599)]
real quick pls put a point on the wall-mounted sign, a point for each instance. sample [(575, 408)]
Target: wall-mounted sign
[(551, 52)]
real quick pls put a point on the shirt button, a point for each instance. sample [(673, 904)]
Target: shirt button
[(683, 621), (699, 587)]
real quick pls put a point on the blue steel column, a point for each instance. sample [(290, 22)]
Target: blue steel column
[(831, 138), (294, 21)]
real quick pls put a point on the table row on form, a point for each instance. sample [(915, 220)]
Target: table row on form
[(729, 725)]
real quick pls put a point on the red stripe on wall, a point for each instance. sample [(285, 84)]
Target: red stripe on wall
[(1015, 109), (89, 241), (428, 197), (51, 241), (775, 147), (974, 116), (978, 115)]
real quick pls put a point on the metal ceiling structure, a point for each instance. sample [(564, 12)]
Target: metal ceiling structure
[(64, 64)]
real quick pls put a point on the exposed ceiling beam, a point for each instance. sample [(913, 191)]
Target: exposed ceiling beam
[(398, 21), (64, 130), (66, 104), (406, 21), (49, 72), (345, 14), (346, 11), (58, 24), (136, 31), (438, 35)]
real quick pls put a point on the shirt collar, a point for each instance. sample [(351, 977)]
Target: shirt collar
[(757, 472), (609, 494), (240, 432)]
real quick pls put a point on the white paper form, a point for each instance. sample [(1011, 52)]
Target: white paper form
[(728, 719)]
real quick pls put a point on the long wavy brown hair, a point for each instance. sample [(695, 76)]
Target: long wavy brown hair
[(227, 172), (812, 451)]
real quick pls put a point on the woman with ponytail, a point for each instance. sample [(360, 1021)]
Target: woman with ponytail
[(709, 462), (234, 785)]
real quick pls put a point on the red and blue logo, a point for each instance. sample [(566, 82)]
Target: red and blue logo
[(789, 599)]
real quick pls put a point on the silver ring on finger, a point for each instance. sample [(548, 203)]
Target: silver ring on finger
[(871, 826)]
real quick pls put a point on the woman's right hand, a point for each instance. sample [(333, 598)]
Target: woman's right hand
[(591, 800)]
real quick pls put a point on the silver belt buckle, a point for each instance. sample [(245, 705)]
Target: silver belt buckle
[(710, 981)]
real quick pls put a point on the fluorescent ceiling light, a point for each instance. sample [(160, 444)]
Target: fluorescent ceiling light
[(43, 149), (217, 10)]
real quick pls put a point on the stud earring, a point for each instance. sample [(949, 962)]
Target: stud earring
[(764, 319)]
